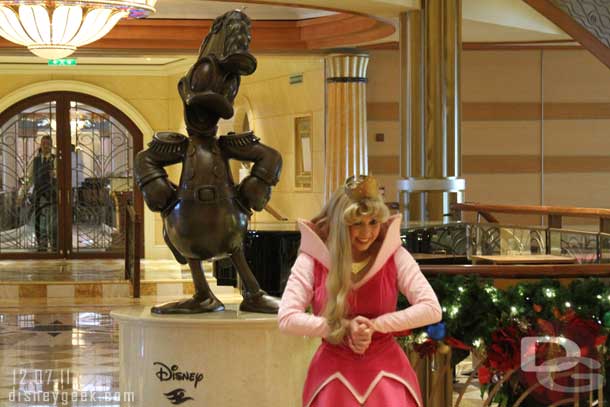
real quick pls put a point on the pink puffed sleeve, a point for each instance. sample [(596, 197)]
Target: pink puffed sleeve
[(297, 297), (424, 308)]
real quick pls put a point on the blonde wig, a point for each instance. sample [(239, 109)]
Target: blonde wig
[(335, 218)]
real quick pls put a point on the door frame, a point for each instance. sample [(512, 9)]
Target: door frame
[(63, 141)]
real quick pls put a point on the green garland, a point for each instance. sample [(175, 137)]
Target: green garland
[(473, 309)]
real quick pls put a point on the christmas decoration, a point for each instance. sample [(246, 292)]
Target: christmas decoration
[(491, 322), (436, 331), (607, 319)]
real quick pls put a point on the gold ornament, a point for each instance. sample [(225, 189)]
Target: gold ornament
[(361, 187), (443, 349)]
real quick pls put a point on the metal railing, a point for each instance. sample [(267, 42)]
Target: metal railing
[(133, 248)]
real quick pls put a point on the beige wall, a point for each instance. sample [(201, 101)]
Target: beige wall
[(505, 139), (147, 93), (273, 104), (500, 77), (555, 116), (175, 122), (383, 95)]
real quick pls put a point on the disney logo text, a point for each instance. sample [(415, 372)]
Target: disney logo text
[(166, 373)]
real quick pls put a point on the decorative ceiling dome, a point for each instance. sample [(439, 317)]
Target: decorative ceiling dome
[(54, 29)]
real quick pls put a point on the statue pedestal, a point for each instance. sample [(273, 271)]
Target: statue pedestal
[(228, 358)]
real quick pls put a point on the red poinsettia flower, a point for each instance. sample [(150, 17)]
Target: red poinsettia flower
[(585, 333), (484, 375), (600, 340), (504, 352)]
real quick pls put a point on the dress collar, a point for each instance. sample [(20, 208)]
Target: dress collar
[(314, 246)]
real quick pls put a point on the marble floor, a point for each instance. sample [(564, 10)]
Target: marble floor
[(65, 351), (70, 357), (89, 270), (63, 359), (472, 392)]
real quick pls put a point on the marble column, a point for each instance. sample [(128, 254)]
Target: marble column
[(430, 48), (346, 135)]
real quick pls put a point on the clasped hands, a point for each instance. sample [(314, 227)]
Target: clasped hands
[(359, 334)]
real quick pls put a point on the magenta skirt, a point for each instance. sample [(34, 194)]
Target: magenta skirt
[(387, 393), (382, 377)]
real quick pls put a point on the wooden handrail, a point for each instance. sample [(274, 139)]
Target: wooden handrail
[(534, 210), (519, 271), (553, 213)]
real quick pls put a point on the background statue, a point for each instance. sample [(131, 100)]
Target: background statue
[(206, 216)]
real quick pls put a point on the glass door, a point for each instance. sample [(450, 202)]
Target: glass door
[(66, 176), (29, 188), (101, 151)]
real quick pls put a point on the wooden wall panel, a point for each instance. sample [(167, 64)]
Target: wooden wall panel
[(501, 127), (576, 164), (501, 76), (382, 111), (501, 111), (501, 164), (383, 75), (391, 137), (577, 137), (577, 189), (576, 110), (380, 164), (500, 137), (506, 111), (382, 96), (575, 76), (509, 219), (510, 189), (524, 164)]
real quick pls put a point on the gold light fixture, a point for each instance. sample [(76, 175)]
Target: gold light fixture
[(54, 29)]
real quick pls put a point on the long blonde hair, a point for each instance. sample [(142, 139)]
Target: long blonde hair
[(335, 218)]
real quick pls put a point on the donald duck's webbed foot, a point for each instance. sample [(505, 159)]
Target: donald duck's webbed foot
[(202, 301), (194, 305)]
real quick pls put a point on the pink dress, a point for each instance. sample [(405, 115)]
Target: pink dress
[(382, 376)]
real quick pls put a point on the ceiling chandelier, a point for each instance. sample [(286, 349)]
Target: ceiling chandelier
[(54, 29)]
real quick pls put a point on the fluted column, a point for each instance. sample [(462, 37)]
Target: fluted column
[(346, 137)]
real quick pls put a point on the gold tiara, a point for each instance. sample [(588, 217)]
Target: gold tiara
[(361, 187)]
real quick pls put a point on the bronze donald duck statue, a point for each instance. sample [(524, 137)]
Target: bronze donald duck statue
[(206, 215)]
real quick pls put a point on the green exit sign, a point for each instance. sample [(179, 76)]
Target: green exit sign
[(62, 62)]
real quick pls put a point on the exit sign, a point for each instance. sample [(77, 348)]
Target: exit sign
[(62, 62)]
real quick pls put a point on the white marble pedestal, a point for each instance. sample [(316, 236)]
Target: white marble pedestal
[(221, 359)]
